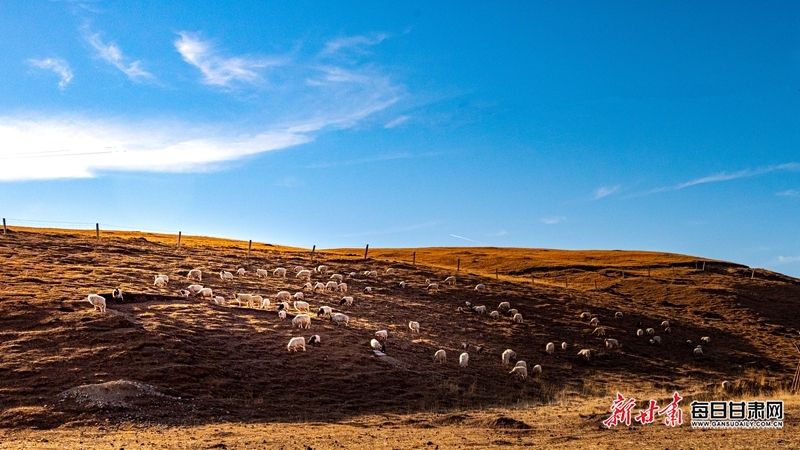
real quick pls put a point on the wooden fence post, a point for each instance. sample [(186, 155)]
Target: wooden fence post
[(249, 246), (312, 253), (496, 274), (704, 266), (566, 281), (458, 267), (366, 251), (179, 239), (414, 259), (533, 279), (4, 225), (623, 274), (752, 274), (97, 230)]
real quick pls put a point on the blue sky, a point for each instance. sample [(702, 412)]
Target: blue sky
[(669, 126)]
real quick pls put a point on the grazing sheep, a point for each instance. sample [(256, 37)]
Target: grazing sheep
[(240, 271), (504, 305), (665, 323), (184, 293), (279, 272), (433, 287), (521, 363), (564, 346), (247, 299), (463, 359), (585, 315), (256, 301), (507, 356), (402, 284), (283, 295), (308, 286), (315, 340), (372, 273), (689, 344), (511, 312), (726, 386), (586, 353), (479, 349), (650, 332), (480, 287), (352, 274), (705, 339), (537, 370), (377, 345), (117, 294), (304, 274), (440, 356), (219, 300), (195, 274), (301, 306), (346, 301), (298, 269), (264, 303), (600, 331), (283, 305), (368, 290), (302, 321), (519, 371), (281, 314), (612, 343), (382, 334), (657, 339), (160, 282), (331, 286), (517, 318), (698, 351), (668, 330), (389, 271), (494, 314), (464, 345), (342, 287), (594, 322), (451, 280), (261, 273), (319, 287), (550, 348), (413, 326), (640, 332), (322, 268), (324, 311), (340, 318), (652, 342), (295, 343), (98, 302), (205, 293), (194, 288), (618, 315), (337, 277), (299, 296), (480, 309), (224, 275)]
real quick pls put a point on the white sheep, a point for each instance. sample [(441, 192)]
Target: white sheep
[(279, 272), (225, 275), (304, 274), (283, 295), (308, 286), (640, 332), (376, 345), (519, 371), (585, 315), (302, 321), (650, 332), (618, 315), (184, 293), (261, 273), (537, 370), (612, 343), (219, 300), (166, 277), (480, 287), (315, 340), (98, 302), (657, 339), (194, 288), (205, 293), (507, 356), (382, 334), (480, 309), (413, 326), (504, 305), (256, 301), (368, 290), (342, 287), (340, 318), (440, 356), (346, 301), (298, 269), (706, 339), (281, 314), (668, 330), (521, 363), (240, 271), (116, 294), (594, 322), (600, 331), (299, 296), (331, 286), (337, 277), (372, 273), (319, 287), (665, 323), (195, 274), (324, 311), (726, 386), (433, 287), (511, 312), (389, 271), (402, 284), (301, 306), (586, 353), (517, 318), (283, 305), (494, 314), (295, 343), (160, 281), (463, 359), (564, 346), (698, 351), (322, 268), (264, 303), (247, 299), (450, 280), (550, 348)]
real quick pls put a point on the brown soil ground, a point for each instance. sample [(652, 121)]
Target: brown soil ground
[(188, 373)]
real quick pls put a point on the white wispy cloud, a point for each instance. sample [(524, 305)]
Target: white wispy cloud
[(356, 43), (725, 176), (466, 239), (605, 191), (59, 66), (553, 220), (788, 259), (396, 122), (789, 193), (49, 149), (218, 70), (113, 55)]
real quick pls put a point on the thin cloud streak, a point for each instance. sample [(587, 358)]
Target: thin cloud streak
[(352, 42), (789, 193), (605, 192), (217, 70), (553, 220), (724, 176), (466, 239), (113, 55), (59, 66), (788, 259), (396, 122)]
